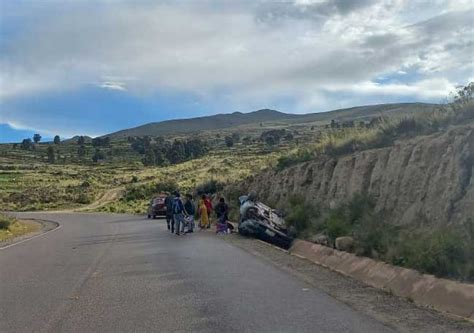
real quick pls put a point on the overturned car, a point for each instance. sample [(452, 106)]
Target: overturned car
[(262, 222)]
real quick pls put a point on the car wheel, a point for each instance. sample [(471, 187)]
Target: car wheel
[(149, 216)]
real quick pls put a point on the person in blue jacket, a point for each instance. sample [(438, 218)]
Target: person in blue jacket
[(178, 214)]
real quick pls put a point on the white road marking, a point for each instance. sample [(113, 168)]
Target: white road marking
[(27, 239)]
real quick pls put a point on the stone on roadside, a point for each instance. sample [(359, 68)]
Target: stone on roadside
[(320, 239), (345, 243)]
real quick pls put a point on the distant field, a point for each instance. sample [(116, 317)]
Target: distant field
[(38, 185)]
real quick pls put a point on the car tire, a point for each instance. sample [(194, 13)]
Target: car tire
[(149, 216)]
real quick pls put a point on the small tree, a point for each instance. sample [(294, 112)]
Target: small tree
[(98, 155), (81, 151), (149, 158), (101, 142), (236, 137), (57, 140), (26, 144), (229, 141), (36, 138), (464, 94), (50, 152), (81, 140), (288, 136)]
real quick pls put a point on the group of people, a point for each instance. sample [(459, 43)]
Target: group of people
[(180, 215)]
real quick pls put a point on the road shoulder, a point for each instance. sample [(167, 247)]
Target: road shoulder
[(391, 310), (31, 228)]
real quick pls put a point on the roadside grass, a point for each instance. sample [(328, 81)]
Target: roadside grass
[(444, 251), (382, 132), (11, 227)]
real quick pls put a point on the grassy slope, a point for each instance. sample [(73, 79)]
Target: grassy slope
[(225, 121)]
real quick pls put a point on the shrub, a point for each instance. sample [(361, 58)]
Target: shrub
[(359, 207), (6, 221), (440, 252), (337, 225), (229, 141), (341, 221), (140, 192), (373, 237), (85, 184), (302, 155), (211, 186), (83, 198), (168, 186), (301, 214)]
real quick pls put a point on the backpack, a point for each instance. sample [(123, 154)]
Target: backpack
[(169, 204), (177, 206)]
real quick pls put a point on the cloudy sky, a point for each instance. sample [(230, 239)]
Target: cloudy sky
[(92, 67)]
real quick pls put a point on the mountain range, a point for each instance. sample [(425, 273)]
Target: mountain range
[(230, 120)]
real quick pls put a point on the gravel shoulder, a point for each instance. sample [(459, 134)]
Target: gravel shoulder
[(393, 311)]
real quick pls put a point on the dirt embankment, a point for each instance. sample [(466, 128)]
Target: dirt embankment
[(427, 179)]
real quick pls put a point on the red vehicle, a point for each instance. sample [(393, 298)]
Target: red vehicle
[(157, 206)]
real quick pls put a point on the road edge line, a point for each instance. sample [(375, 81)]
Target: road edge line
[(58, 226)]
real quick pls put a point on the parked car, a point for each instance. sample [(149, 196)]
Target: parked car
[(157, 206)]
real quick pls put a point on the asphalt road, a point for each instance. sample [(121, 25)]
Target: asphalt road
[(121, 273)]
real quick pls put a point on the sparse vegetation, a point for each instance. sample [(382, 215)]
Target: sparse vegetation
[(6, 221), (51, 156), (346, 138), (229, 141), (302, 215), (10, 227), (443, 251), (211, 186), (299, 156)]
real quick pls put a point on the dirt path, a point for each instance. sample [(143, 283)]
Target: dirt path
[(109, 196)]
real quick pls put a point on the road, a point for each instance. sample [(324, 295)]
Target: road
[(123, 273)]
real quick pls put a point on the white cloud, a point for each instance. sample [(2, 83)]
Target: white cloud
[(254, 53), (113, 85), (426, 89)]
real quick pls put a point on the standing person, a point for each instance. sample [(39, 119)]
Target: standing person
[(189, 212), (208, 203), (169, 212), (178, 213), (222, 210), (204, 216), (222, 213)]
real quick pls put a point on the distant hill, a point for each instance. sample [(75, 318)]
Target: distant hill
[(74, 139), (221, 121)]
